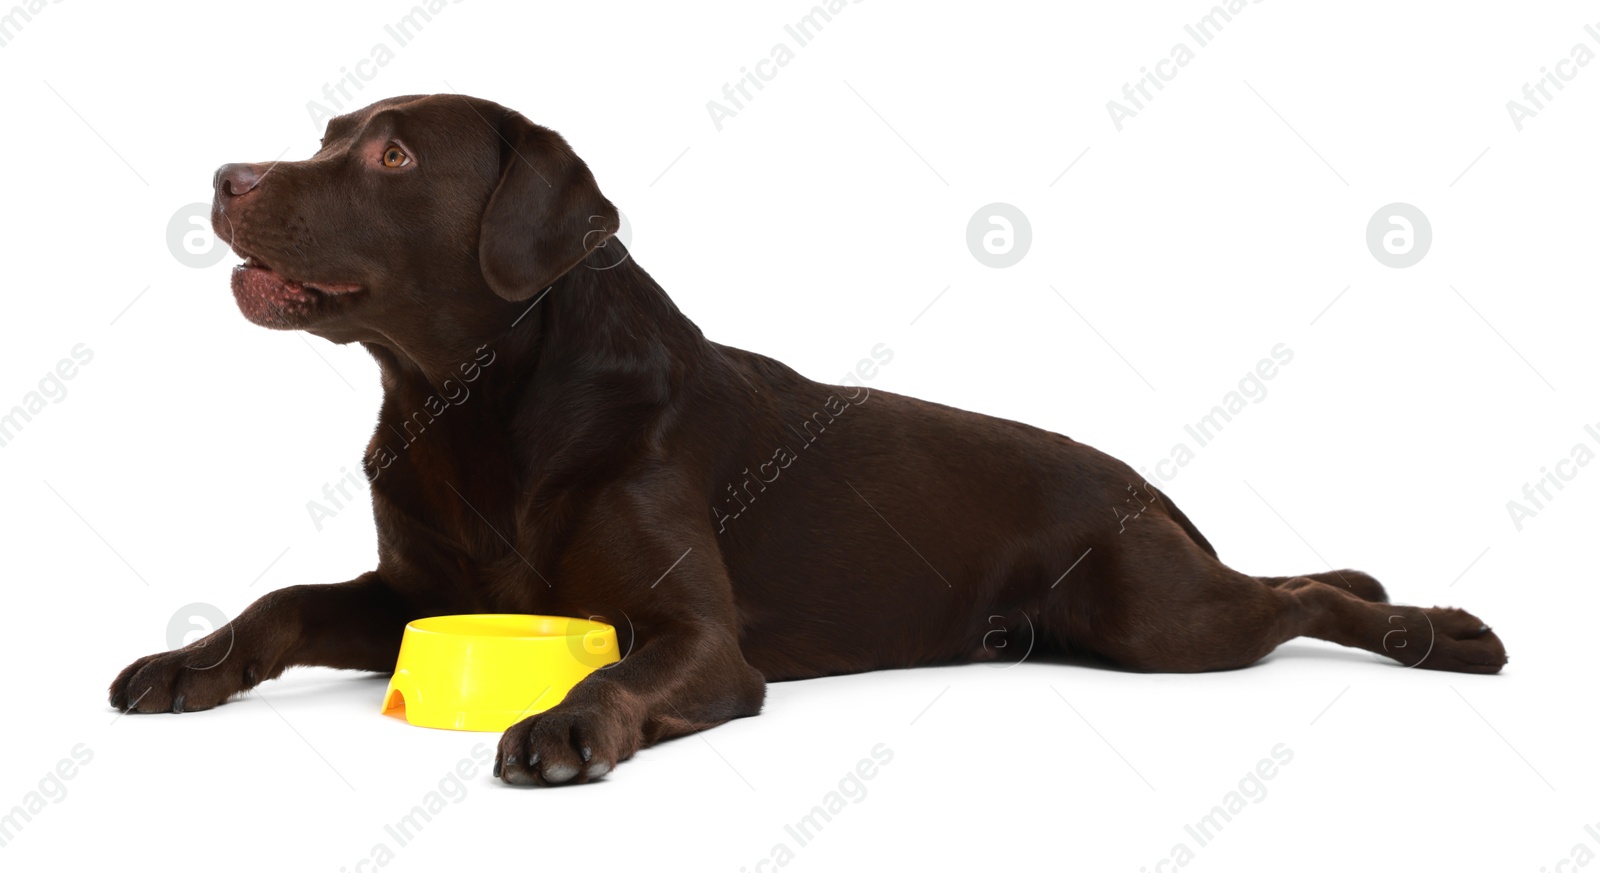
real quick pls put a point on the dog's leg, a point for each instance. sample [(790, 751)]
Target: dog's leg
[(1433, 638), (1166, 605), (353, 625), (685, 673), (677, 683), (1351, 581), (1354, 581)]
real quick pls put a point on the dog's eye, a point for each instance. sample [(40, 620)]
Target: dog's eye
[(394, 157)]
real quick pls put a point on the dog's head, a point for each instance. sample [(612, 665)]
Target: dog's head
[(416, 212)]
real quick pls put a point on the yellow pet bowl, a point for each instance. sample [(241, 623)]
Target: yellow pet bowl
[(488, 672)]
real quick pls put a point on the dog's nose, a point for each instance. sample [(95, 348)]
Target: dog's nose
[(234, 180)]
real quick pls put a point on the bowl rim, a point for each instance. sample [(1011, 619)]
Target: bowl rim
[(577, 627)]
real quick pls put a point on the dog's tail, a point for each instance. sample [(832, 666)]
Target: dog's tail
[(1184, 522)]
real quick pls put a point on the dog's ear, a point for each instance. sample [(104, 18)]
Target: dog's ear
[(545, 216)]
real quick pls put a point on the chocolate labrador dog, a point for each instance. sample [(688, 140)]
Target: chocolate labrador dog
[(557, 437)]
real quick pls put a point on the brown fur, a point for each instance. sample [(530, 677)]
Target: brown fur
[(601, 442)]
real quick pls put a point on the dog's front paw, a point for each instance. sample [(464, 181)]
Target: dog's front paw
[(195, 677), (563, 747)]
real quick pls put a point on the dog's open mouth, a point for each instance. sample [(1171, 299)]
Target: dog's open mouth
[(272, 299)]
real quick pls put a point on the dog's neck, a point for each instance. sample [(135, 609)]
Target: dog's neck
[(605, 329)]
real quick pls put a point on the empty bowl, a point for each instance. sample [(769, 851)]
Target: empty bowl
[(488, 672)]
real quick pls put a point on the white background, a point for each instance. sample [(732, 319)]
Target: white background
[(821, 220)]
